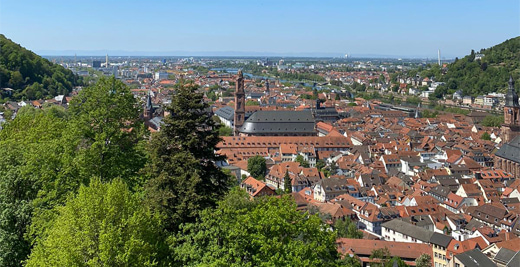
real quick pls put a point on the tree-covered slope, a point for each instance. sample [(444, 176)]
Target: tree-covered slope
[(31, 76), (476, 76)]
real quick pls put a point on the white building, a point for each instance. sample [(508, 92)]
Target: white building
[(161, 76)]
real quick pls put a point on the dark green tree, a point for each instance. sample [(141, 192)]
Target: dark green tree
[(302, 161), (287, 182), (31, 76), (347, 228), (485, 136), (257, 167), (320, 164), (184, 178)]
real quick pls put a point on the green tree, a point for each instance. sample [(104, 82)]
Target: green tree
[(485, 136), (104, 225), (105, 129), (493, 121), (347, 228), (302, 161), (320, 164), (252, 103), (381, 255), (263, 232), (30, 156), (257, 167), (350, 261), (184, 179), (287, 182), (425, 260), (223, 130)]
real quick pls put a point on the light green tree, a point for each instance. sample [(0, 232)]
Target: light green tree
[(264, 232), (104, 131), (104, 225), (29, 157)]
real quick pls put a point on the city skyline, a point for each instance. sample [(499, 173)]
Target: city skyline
[(267, 28)]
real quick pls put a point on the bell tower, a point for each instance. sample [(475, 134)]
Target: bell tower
[(240, 102), (511, 127)]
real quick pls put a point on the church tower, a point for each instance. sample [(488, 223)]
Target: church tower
[(240, 102), (267, 93), (148, 109), (511, 127)]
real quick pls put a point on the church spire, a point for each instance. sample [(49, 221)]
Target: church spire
[(511, 95)]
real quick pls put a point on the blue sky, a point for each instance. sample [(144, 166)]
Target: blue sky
[(398, 28)]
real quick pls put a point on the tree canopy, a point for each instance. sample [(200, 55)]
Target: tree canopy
[(48, 153), (257, 167), (104, 225), (264, 232)]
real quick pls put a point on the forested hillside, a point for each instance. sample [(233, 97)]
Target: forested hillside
[(31, 76), (478, 76)]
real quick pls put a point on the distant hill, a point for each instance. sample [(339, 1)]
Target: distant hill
[(488, 74), (31, 76)]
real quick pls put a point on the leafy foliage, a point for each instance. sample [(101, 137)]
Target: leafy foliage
[(493, 121), (48, 153), (264, 232), (425, 260), (104, 225), (347, 228), (257, 167), (30, 75), (302, 161), (30, 156), (485, 136), (106, 127), (223, 130)]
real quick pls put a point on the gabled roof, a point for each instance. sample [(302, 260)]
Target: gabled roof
[(510, 150), (416, 232), (474, 258)]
